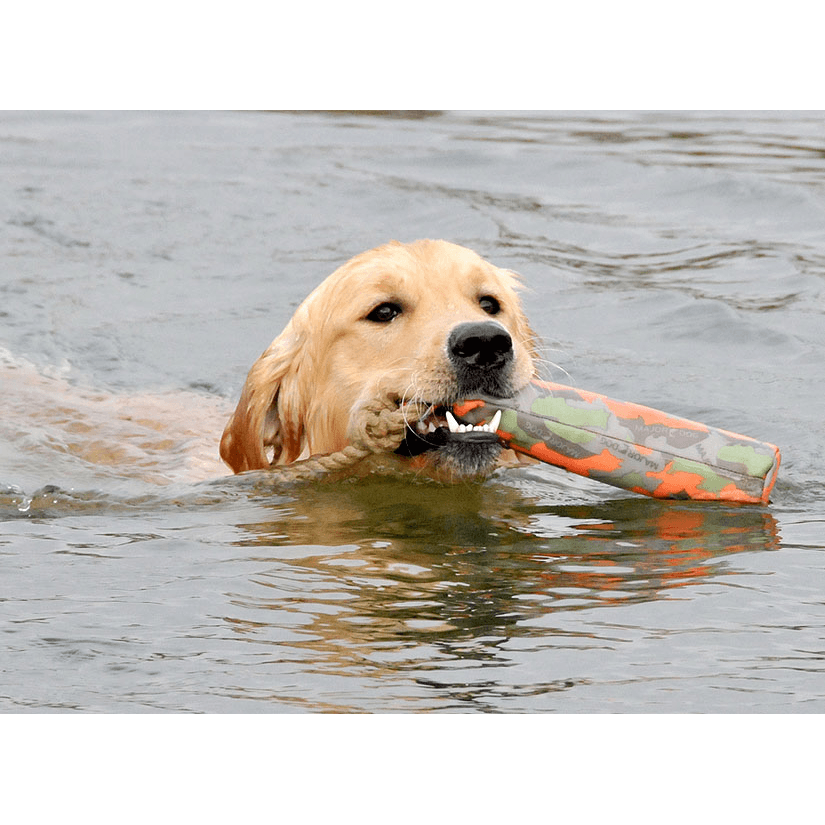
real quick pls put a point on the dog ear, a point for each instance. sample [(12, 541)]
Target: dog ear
[(269, 410)]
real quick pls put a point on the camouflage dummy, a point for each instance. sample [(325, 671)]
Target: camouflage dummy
[(629, 446)]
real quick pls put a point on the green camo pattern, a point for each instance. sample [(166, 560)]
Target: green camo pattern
[(630, 446)]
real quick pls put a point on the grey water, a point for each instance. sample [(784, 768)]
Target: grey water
[(672, 259)]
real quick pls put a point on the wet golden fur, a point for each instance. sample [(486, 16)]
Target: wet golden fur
[(303, 395)]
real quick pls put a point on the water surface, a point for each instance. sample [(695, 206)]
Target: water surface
[(675, 260)]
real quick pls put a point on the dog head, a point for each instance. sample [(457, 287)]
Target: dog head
[(429, 322)]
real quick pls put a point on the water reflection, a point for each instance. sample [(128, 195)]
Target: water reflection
[(383, 575)]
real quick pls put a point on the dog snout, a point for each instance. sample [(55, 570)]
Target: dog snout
[(480, 345)]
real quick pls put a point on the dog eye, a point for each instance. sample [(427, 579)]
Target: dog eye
[(489, 304), (384, 313)]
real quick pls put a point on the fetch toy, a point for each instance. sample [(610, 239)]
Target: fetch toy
[(627, 445)]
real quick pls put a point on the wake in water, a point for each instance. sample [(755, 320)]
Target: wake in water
[(55, 435)]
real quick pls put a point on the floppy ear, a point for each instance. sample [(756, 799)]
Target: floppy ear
[(268, 413)]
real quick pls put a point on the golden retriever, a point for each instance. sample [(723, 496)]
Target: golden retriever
[(428, 321)]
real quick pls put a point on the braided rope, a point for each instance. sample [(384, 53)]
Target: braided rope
[(384, 425)]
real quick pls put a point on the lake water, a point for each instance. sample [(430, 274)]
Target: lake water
[(146, 259)]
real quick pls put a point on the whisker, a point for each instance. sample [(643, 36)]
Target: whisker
[(548, 370), (546, 367), (411, 395)]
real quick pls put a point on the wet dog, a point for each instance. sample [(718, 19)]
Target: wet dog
[(428, 322)]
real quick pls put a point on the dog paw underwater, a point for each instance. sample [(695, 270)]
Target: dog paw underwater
[(418, 327)]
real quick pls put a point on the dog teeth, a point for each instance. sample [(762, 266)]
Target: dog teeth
[(455, 427)]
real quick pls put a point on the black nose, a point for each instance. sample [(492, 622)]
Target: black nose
[(481, 345)]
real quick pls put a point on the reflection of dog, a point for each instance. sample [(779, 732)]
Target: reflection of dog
[(429, 322)]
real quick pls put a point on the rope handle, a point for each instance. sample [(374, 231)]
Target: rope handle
[(384, 423)]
